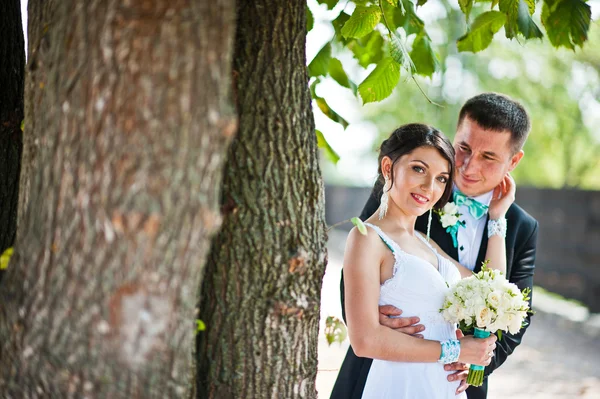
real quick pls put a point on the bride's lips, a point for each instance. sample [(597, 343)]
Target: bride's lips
[(420, 199)]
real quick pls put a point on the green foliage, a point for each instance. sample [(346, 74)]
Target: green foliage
[(482, 31), (310, 20), (319, 66), (359, 225), (466, 6), (380, 82), (367, 50), (328, 151), (567, 22), (329, 3), (336, 71), (403, 17), (362, 22), (200, 326), (518, 13), (424, 58), (5, 258), (390, 34), (335, 330)]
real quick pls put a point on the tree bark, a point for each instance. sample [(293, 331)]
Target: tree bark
[(40, 17), (132, 127), (12, 76), (261, 289)]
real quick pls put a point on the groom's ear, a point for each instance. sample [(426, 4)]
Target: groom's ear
[(514, 161)]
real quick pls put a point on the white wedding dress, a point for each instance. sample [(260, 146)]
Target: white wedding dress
[(418, 289)]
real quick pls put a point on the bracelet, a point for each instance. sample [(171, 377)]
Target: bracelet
[(450, 351), (497, 227)]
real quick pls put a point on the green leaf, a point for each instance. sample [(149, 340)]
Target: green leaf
[(335, 330), (400, 54), (5, 258), (362, 229), (330, 113), (567, 22), (393, 2), (324, 145), (319, 66), (381, 81), (421, 2), (362, 22), (329, 3), (466, 6), (310, 20), (518, 14), (499, 335), (23, 125), (336, 71), (423, 56), (482, 31), (404, 17), (367, 50)]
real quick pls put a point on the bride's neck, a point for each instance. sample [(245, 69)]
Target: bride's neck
[(395, 218)]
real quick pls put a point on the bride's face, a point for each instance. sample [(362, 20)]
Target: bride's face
[(420, 178)]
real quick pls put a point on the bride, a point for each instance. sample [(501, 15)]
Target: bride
[(393, 264)]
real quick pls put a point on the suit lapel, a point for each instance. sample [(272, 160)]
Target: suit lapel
[(482, 247)]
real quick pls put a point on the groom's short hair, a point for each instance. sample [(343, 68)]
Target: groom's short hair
[(498, 112)]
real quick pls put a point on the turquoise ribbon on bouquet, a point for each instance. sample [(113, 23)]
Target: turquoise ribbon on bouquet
[(476, 208), (479, 333)]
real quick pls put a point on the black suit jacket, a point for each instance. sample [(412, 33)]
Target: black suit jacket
[(521, 238)]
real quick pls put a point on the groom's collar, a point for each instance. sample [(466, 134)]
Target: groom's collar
[(484, 198)]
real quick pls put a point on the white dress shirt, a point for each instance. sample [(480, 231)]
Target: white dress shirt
[(470, 236)]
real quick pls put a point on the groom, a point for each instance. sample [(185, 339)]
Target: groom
[(491, 131)]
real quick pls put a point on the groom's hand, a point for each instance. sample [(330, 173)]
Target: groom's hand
[(389, 316), (462, 370)]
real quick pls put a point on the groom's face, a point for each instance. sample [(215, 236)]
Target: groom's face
[(483, 158)]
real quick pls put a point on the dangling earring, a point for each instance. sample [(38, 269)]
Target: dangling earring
[(384, 199), (429, 225)]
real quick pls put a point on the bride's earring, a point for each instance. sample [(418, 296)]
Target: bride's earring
[(384, 199), (429, 224)]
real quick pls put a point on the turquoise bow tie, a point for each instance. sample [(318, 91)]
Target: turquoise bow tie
[(476, 208)]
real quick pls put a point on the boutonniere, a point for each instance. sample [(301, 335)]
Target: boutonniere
[(449, 218)]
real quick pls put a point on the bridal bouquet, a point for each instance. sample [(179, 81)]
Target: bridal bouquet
[(487, 303)]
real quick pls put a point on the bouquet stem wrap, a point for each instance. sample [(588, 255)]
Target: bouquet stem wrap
[(475, 376)]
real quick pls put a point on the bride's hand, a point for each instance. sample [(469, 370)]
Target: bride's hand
[(477, 350), (503, 197)]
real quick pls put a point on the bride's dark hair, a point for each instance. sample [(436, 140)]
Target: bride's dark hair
[(405, 140)]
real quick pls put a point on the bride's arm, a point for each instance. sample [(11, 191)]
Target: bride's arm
[(362, 260)]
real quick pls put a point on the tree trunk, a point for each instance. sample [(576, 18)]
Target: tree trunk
[(40, 17), (133, 125), (261, 288), (12, 75)]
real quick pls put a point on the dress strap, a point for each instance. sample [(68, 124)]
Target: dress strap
[(391, 244)]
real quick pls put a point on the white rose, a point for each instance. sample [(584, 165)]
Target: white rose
[(449, 217), (493, 299), (448, 220), (483, 317), (515, 324), (503, 321)]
